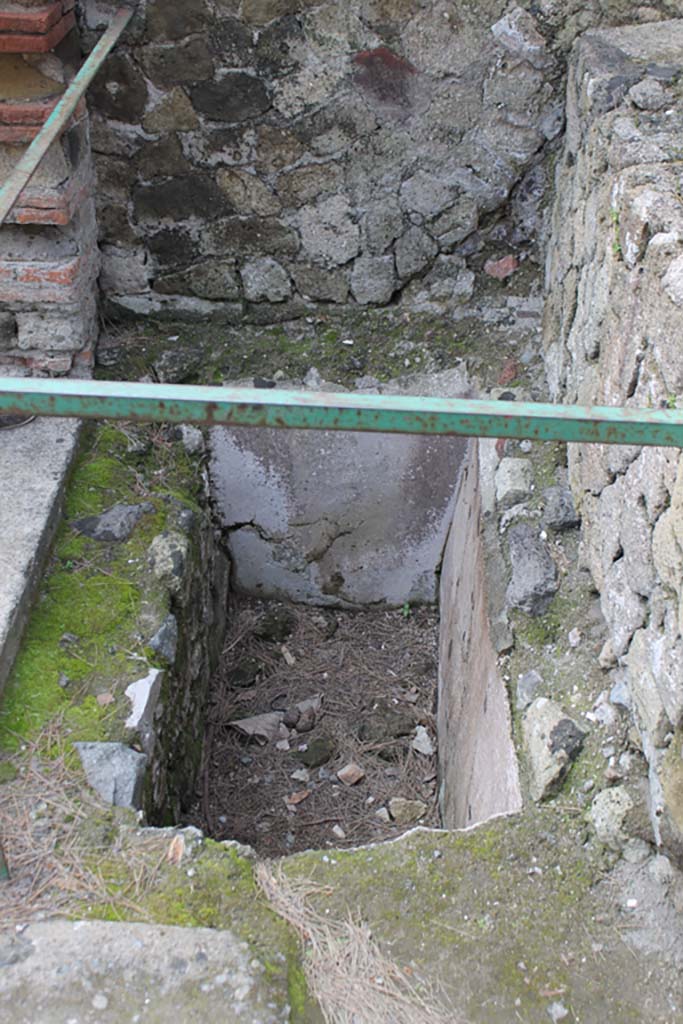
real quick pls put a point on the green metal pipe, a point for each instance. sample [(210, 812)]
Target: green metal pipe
[(307, 410), (57, 121)]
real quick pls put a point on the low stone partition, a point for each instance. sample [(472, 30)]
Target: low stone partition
[(477, 761), (613, 325)]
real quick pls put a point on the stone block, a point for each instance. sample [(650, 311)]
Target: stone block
[(246, 193), (641, 663), (414, 250), (518, 33), (173, 113), (373, 280), (248, 236), (329, 234), (322, 285), (608, 814), (624, 611), (186, 62), (190, 195), (552, 740), (175, 21), (67, 329), (235, 97), (514, 482), (308, 183), (162, 158), (8, 331), (534, 573), (124, 271), (119, 90), (211, 279), (232, 42), (115, 771), (382, 225), (426, 194), (265, 279)]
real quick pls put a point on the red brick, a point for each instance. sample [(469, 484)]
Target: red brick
[(27, 111), (18, 133), (16, 42), (42, 282), (33, 20), (502, 268)]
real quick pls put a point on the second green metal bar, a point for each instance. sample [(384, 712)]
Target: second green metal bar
[(306, 410)]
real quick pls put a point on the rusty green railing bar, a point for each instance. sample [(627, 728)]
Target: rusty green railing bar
[(316, 410), (25, 168)]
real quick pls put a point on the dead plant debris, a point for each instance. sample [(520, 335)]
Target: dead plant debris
[(307, 699)]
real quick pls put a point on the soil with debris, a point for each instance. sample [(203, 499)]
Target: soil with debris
[(321, 729)]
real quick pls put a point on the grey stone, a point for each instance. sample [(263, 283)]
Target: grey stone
[(192, 439), (265, 279), (8, 331), (168, 554), (116, 971), (383, 224), (164, 22), (559, 512), (534, 573), (165, 640), (120, 90), (414, 250), (115, 771), (308, 183), (247, 193), (518, 33), (116, 524), (124, 271), (648, 94), (608, 813), (328, 232), (620, 695), (173, 113), (552, 741), (456, 223), (528, 686), (405, 812), (184, 62), (318, 751), (373, 280), (426, 194), (385, 723), (191, 195), (514, 480), (316, 283), (211, 279)]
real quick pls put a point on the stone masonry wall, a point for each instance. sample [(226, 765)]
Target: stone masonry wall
[(255, 157), (614, 321)]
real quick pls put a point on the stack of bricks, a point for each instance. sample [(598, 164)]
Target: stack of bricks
[(48, 246)]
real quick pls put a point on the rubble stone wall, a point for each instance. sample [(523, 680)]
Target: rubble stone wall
[(613, 328), (257, 157)]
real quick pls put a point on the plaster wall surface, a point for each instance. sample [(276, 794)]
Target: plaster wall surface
[(338, 518), (477, 761)]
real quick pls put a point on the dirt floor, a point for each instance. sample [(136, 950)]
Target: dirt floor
[(317, 693)]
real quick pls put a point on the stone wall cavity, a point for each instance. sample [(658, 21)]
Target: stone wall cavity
[(614, 321), (257, 157)]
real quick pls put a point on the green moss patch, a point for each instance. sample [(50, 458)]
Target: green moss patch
[(83, 644)]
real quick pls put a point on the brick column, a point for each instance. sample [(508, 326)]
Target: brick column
[(48, 247)]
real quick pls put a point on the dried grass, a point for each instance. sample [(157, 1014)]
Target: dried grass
[(352, 980), (53, 860)]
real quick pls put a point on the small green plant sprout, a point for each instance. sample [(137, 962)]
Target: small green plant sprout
[(405, 610), (671, 402)]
